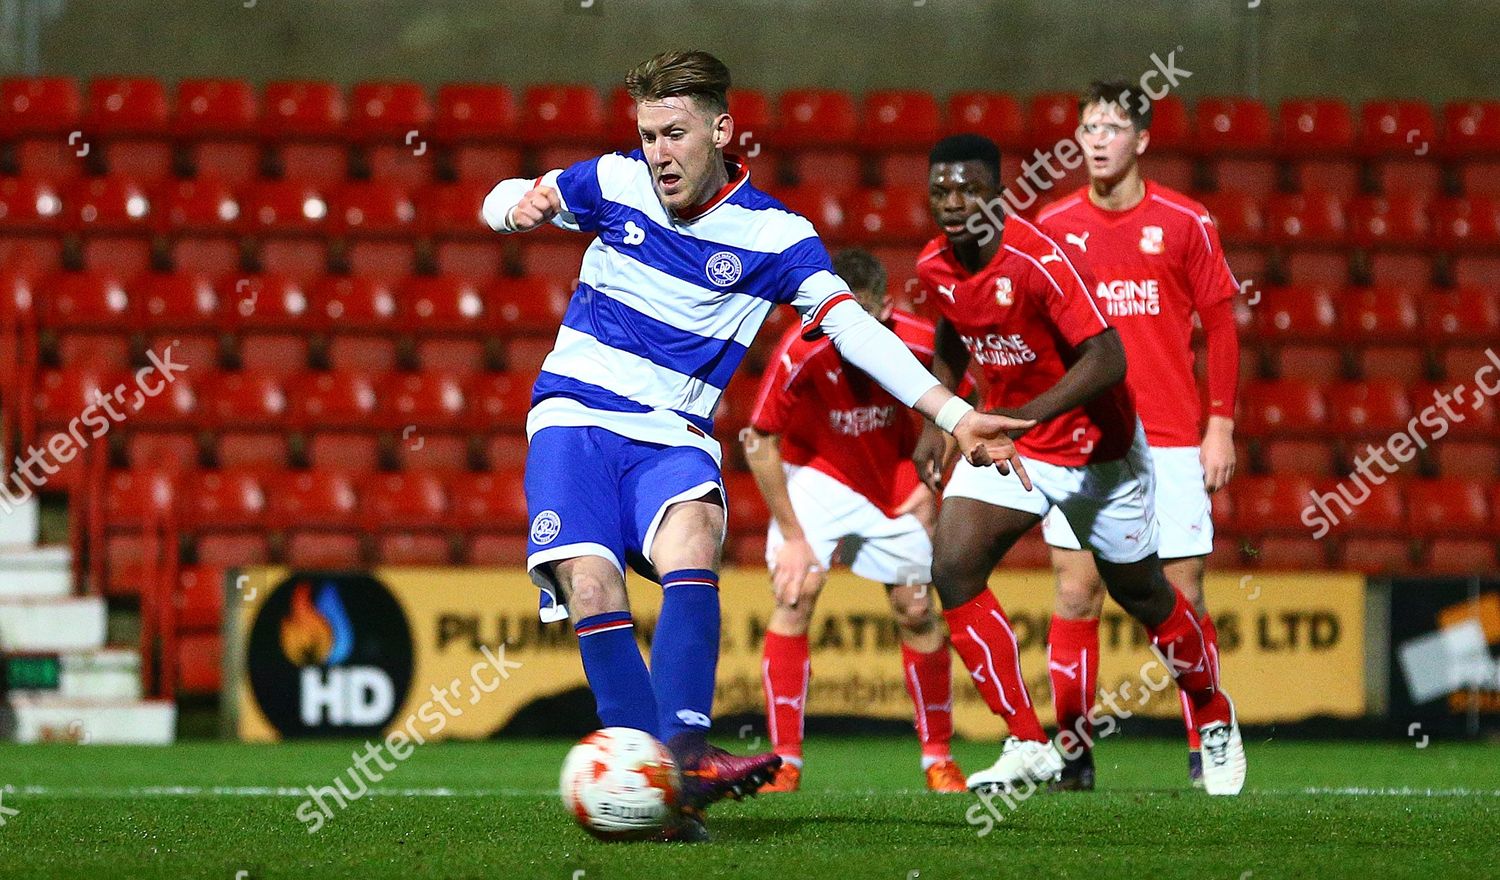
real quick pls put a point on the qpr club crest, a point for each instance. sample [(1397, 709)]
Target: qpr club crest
[(545, 527), (723, 269)]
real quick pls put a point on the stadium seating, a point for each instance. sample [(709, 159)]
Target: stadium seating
[(361, 348)]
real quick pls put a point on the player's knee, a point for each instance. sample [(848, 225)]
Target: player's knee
[(956, 579), (1079, 598), (591, 592)]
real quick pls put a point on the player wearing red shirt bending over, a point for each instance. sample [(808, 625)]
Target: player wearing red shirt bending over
[(831, 452), (1156, 257), (1012, 300)]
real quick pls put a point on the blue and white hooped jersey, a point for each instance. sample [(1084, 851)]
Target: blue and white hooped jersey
[(667, 305)]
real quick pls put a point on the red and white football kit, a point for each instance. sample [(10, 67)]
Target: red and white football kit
[(1155, 265), (1022, 318), (846, 445)]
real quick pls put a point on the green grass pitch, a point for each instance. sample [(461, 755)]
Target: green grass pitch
[(488, 810)]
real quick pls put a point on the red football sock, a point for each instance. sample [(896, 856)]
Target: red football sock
[(1181, 643), (785, 670), (929, 681), (1211, 642), (982, 636), (1073, 664)]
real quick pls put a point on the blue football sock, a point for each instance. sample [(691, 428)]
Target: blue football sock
[(616, 672), (685, 651)]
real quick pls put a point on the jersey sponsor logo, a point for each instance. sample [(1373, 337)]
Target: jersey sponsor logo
[(1004, 291), (861, 419), (1151, 240), (633, 233), (999, 349), (1123, 298), (723, 269), (545, 527), (1079, 241)]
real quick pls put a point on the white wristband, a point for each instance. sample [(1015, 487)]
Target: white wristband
[(951, 412)]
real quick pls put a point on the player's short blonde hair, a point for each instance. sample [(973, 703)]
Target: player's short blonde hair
[(693, 73)]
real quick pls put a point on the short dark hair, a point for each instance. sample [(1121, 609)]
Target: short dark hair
[(861, 270), (693, 73), (967, 148), (1121, 93)]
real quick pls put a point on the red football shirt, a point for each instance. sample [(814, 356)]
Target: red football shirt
[(1156, 264), (833, 417), (1022, 318)]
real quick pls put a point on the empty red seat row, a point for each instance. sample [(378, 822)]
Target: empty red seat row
[(1367, 410), (1368, 221), (324, 400), (545, 113), (1376, 314), (1292, 503), (438, 304)]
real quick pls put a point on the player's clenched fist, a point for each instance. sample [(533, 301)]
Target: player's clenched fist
[(538, 206), (984, 439)]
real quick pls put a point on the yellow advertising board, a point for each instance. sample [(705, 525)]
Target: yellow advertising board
[(341, 654)]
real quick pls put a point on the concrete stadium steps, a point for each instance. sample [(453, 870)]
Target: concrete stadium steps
[(21, 525), (32, 718), (35, 572), (70, 623)]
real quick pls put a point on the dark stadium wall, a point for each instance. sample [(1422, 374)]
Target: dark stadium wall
[(1358, 49)]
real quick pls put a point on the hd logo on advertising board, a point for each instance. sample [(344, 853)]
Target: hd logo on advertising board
[(330, 655)]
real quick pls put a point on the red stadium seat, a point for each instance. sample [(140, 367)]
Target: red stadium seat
[(1052, 118), (243, 399), (1295, 313), (356, 303), (898, 120), (1475, 459), (412, 500), (1373, 509), (434, 304), (1468, 313), (1313, 458), (1171, 128), (175, 300), (174, 405), (108, 204), (996, 116), (230, 498), (1282, 407), (498, 401), (889, 216), (1314, 218), (1471, 129), (29, 204), (303, 110), (526, 305), (1315, 127), (203, 205), (1460, 556), (1399, 220), (1465, 223), (350, 453), (1368, 408), (127, 106), (1395, 128), (389, 111), (252, 449), (1466, 421), (572, 114), (85, 300), (283, 206), (822, 206), (1238, 216), (311, 499), (429, 401), (474, 112), (264, 301), (371, 208), (454, 209), (1374, 555), (331, 399), (1448, 507), (620, 130), (1232, 125), (1270, 504), (493, 501), (215, 108), (1379, 315), (747, 509), (40, 105), (815, 118)]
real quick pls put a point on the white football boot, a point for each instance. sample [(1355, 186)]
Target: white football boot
[(1223, 755), (1023, 764)]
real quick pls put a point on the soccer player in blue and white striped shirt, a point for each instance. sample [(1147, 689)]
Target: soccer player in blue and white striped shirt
[(622, 467)]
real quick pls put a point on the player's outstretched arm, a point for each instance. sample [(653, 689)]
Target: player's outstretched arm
[(520, 205), (796, 565), (861, 340), (934, 447)]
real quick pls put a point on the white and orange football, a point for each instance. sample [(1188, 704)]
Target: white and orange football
[(620, 784)]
